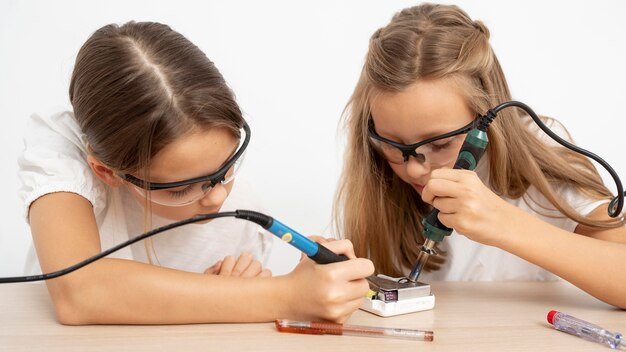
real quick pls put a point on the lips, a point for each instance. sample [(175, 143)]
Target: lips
[(417, 187)]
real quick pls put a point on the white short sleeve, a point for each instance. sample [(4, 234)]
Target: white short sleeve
[(54, 160)]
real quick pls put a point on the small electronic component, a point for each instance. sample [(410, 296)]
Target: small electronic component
[(391, 289), (390, 296)]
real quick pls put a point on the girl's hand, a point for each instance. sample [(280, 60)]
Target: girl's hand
[(244, 266), (319, 239), (467, 205), (329, 291)]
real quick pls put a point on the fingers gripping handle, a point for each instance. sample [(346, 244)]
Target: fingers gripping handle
[(326, 256), (313, 250), (472, 150)]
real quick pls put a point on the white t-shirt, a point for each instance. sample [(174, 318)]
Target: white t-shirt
[(467, 260), (54, 160)]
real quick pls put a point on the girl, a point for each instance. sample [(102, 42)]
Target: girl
[(429, 72), (156, 136)]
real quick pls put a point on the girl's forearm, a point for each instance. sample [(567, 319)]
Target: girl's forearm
[(114, 291), (595, 266)]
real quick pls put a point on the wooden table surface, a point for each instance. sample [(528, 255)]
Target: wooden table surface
[(468, 316)]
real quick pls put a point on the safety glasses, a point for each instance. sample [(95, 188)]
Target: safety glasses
[(185, 192), (436, 151)]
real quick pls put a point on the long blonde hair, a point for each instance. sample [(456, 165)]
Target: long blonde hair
[(379, 212)]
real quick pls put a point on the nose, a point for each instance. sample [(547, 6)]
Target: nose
[(416, 169), (215, 196)]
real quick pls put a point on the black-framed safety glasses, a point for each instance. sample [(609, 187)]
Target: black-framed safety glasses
[(436, 151), (184, 192)]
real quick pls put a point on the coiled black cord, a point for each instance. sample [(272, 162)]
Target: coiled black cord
[(617, 204)]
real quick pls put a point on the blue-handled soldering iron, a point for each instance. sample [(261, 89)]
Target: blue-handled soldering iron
[(313, 250)]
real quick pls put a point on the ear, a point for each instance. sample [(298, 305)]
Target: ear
[(103, 172)]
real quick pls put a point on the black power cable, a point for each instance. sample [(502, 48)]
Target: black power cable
[(324, 256), (617, 203), (52, 275), (313, 250)]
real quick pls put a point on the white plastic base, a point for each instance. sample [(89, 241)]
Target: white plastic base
[(388, 309)]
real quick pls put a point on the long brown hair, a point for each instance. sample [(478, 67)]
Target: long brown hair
[(136, 88), (378, 211)]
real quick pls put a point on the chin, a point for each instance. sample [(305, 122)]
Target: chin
[(176, 217), (417, 188), (173, 215), (204, 221), (212, 211)]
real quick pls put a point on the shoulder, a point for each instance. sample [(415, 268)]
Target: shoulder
[(54, 159), (58, 128), (52, 137), (53, 118)]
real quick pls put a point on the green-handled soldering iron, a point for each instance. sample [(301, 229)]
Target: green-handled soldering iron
[(472, 150)]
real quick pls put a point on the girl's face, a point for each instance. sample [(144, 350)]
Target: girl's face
[(197, 154), (424, 110)]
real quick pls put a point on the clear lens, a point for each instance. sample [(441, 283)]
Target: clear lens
[(442, 151), (184, 195), (178, 196), (232, 173), (389, 152), (436, 153)]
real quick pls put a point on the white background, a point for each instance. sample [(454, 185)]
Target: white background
[(293, 66)]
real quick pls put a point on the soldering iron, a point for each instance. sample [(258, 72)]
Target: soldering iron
[(470, 153), (313, 250)]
